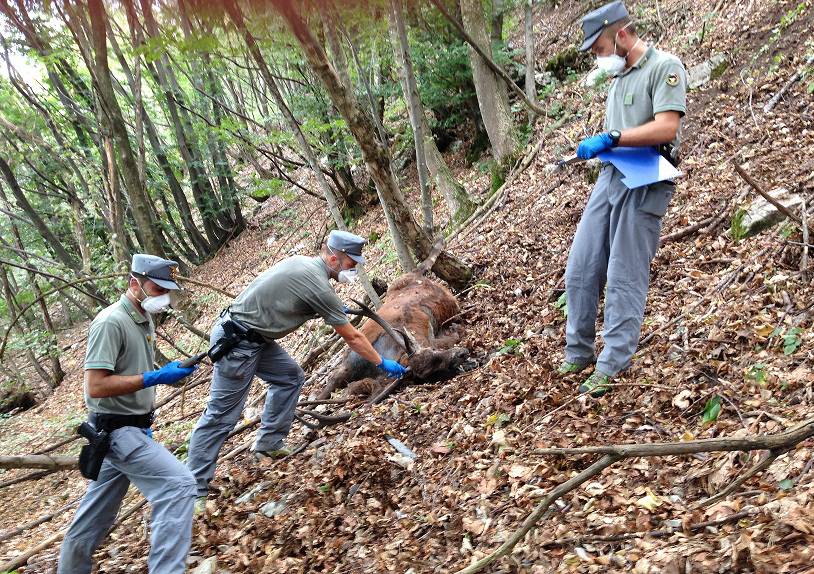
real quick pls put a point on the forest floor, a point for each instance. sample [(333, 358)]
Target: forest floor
[(728, 322)]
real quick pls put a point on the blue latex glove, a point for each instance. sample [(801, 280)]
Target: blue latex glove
[(392, 368), (346, 309), (590, 147), (169, 374)]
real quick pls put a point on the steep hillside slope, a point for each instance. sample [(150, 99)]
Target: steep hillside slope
[(728, 322)]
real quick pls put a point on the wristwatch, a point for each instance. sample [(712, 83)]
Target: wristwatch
[(615, 135)]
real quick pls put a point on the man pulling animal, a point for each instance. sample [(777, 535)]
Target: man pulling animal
[(618, 234), (119, 392), (276, 303)]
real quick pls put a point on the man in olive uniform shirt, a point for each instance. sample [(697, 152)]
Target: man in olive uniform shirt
[(618, 234), (119, 393), (278, 302)]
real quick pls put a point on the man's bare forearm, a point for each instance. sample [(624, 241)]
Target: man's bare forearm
[(102, 384)]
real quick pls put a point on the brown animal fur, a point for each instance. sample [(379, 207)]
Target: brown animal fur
[(413, 303)]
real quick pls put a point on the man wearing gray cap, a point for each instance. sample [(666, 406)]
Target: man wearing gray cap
[(276, 303), (119, 393), (618, 234)]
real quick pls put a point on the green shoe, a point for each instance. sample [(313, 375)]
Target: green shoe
[(597, 384), (276, 453), (569, 368)]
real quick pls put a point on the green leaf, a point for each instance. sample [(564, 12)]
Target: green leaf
[(562, 304), (510, 347), (792, 340), (786, 484), (711, 410)]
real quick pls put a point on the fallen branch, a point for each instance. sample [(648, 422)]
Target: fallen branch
[(39, 461), (60, 444), (778, 443), (30, 476), (682, 233), (589, 539), (780, 207), (5, 535), (794, 79)]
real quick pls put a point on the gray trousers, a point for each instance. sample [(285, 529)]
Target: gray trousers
[(231, 382), (615, 242), (165, 483)]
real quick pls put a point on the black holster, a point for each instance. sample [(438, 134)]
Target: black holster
[(93, 454), (233, 333)]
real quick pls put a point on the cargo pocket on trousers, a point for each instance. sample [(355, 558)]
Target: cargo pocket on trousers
[(656, 198), (236, 363)]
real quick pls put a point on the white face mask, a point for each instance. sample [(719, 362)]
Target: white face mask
[(156, 304), (614, 64), (348, 276), (611, 65)]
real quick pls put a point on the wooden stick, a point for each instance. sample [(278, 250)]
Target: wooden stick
[(538, 512), (39, 461), (761, 465), (779, 443), (5, 535), (30, 476), (682, 233), (804, 259), (588, 539), (61, 443), (780, 207)]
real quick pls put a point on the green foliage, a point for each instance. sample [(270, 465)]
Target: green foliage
[(711, 411), (757, 374), (445, 85), (561, 304), (568, 63), (498, 420), (737, 230), (510, 347), (792, 340)]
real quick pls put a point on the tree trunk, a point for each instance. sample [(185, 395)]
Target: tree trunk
[(376, 156), (493, 99), (405, 259), (528, 33), (237, 18), (416, 111), (140, 202), (498, 9)]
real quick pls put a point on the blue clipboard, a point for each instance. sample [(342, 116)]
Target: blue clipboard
[(640, 165)]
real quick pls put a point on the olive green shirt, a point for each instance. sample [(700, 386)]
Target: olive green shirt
[(287, 295), (121, 340), (656, 83)]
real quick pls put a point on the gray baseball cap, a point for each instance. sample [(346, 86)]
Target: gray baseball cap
[(594, 22), (162, 272), (348, 243)]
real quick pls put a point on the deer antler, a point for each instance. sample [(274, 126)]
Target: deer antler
[(405, 341)]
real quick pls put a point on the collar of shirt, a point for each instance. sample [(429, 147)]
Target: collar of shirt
[(131, 310), (641, 61)]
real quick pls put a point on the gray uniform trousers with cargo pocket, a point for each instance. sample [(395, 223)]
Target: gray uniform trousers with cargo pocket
[(231, 382), (163, 480), (615, 242)]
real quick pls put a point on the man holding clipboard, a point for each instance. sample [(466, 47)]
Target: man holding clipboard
[(618, 234)]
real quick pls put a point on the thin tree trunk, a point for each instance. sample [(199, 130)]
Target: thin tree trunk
[(416, 111), (142, 212), (493, 99), (377, 157), (237, 18), (528, 33), (8, 292), (405, 259)]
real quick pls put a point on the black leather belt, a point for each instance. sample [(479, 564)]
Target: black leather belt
[(109, 423), (240, 329)]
